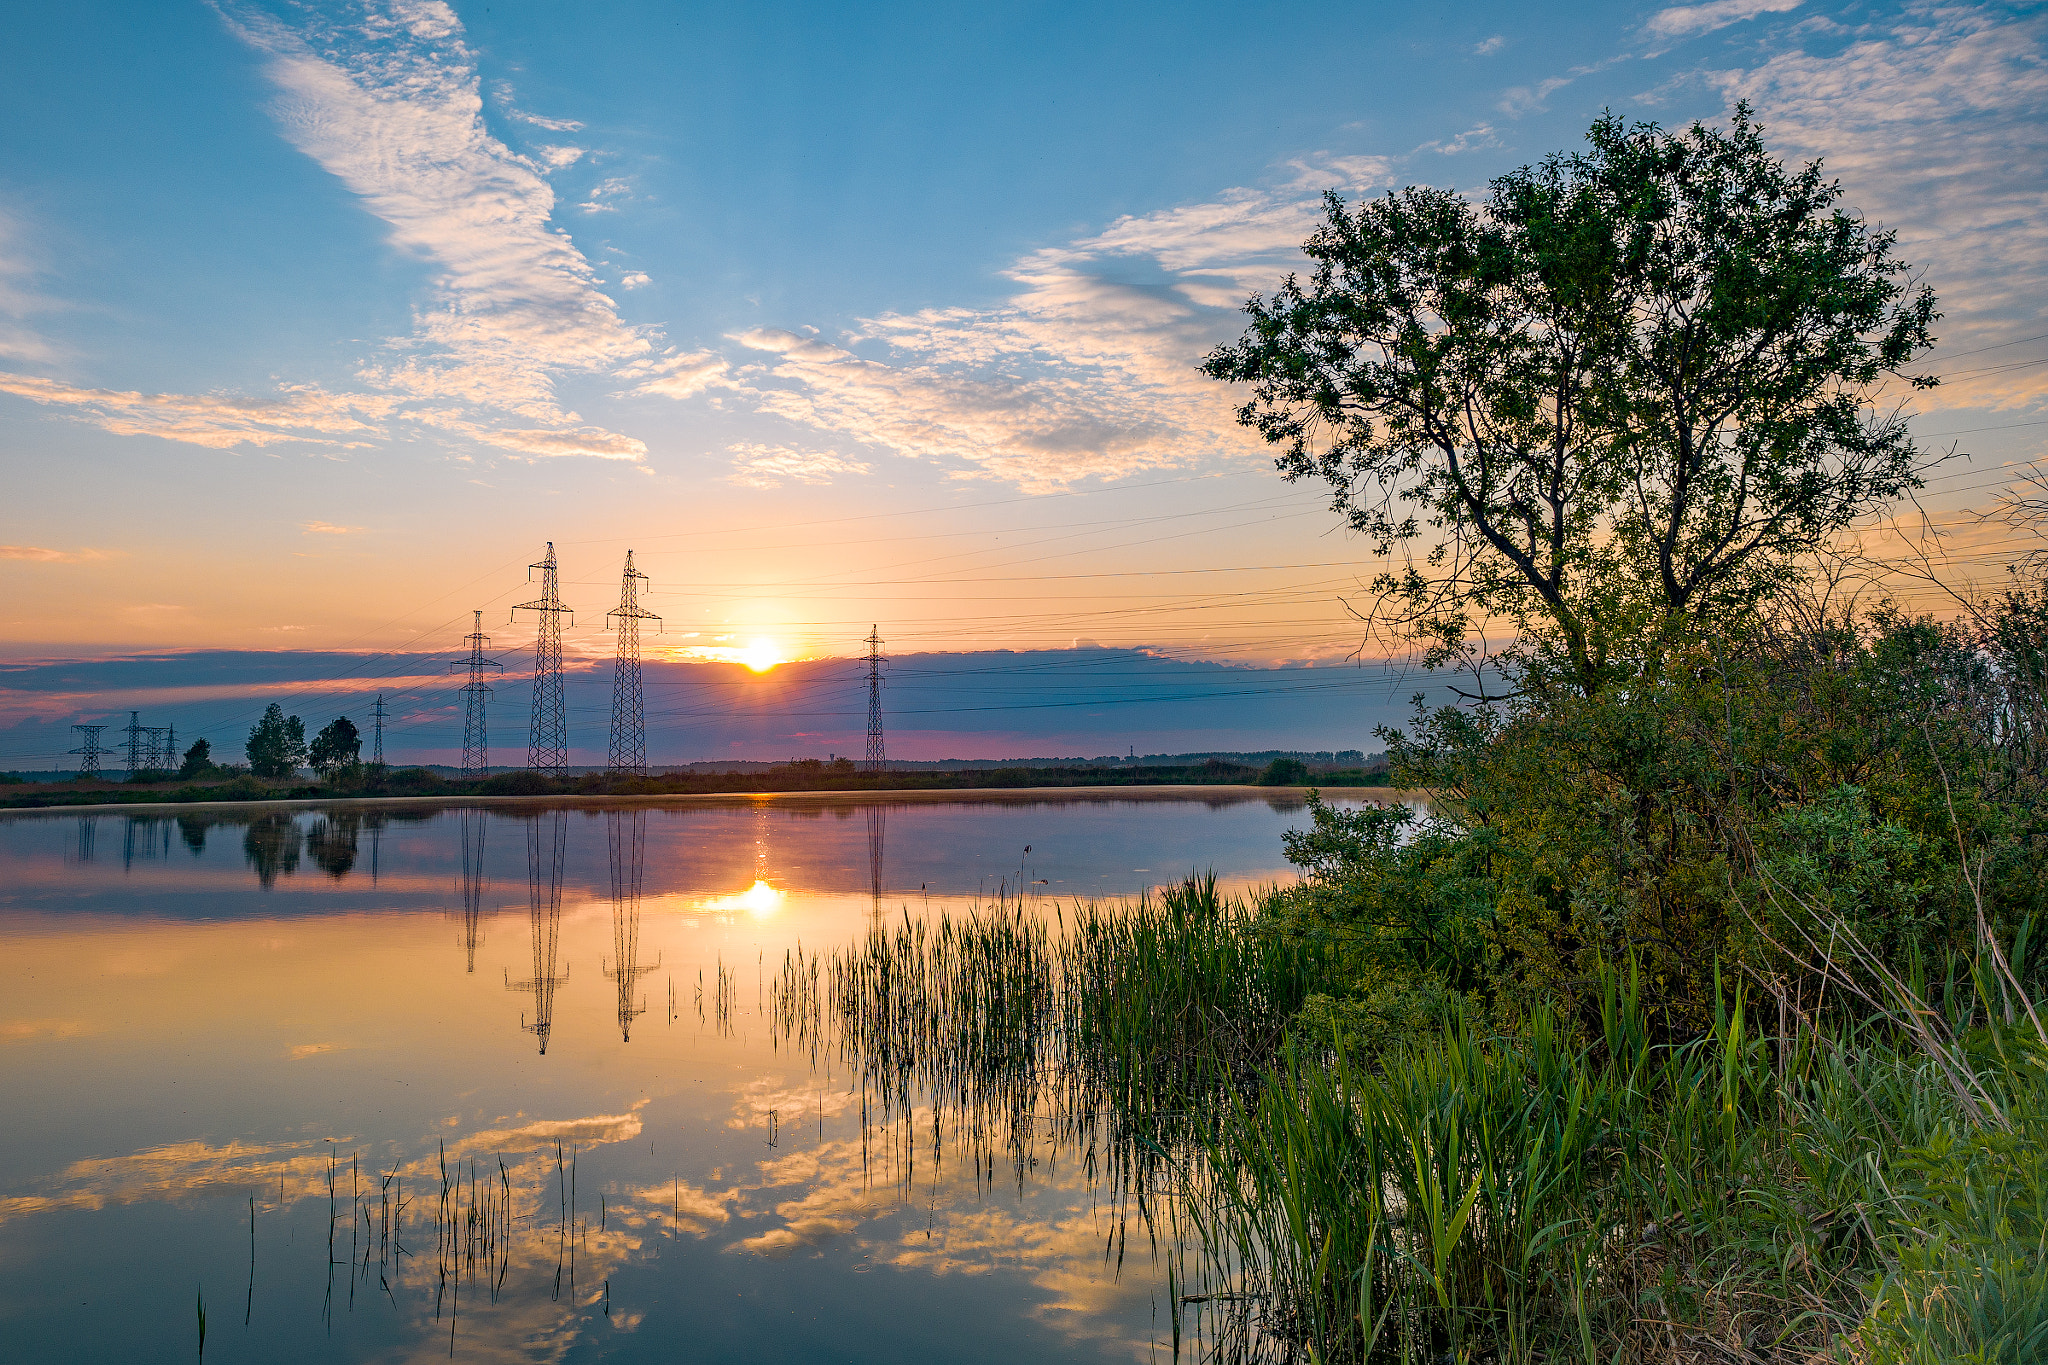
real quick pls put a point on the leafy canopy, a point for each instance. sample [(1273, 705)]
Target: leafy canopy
[(276, 744), (1625, 393), (338, 745)]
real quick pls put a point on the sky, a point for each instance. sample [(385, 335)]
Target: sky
[(318, 321)]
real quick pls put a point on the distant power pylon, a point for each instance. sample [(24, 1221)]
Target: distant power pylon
[(877, 758), (164, 750), (377, 714), (628, 753), (476, 748), (89, 751), (138, 741), (547, 747)]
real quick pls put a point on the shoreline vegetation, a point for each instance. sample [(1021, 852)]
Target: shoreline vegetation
[(1703, 1015), (798, 777), (1859, 1184)]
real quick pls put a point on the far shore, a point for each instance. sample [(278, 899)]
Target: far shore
[(920, 796)]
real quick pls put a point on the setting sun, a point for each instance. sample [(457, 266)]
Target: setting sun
[(761, 655)]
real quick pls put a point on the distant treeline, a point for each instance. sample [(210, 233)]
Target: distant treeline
[(805, 774)]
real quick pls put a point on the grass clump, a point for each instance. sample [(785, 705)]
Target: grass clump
[(1843, 1193)]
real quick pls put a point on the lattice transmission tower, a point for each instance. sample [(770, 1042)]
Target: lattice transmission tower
[(138, 743), (89, 749), (877, 757), (628, 752), (476, 748), (547, 746), (377, 714)]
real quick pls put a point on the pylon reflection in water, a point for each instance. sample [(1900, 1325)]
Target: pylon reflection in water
[(878, 829), (626, 832), (547, 844), (474, 823)]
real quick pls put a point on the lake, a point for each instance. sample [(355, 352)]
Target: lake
[(396, 1081)]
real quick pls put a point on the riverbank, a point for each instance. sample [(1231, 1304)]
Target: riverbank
[(1211, 791), (801, 776)]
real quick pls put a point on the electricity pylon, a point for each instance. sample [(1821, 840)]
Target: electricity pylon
[(476, 748), (628, 752), (877, 758), (89, 750), (627, 834), (377, 714), (547, 746), (138, 737), (547, 842)]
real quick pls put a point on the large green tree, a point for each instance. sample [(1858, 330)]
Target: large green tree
[(1624, 394), (338, 745), (277, 743)]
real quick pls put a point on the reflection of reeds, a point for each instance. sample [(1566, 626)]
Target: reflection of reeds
[(1109, 1033), (473, 1218)]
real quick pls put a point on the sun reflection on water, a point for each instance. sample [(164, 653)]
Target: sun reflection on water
[(759, 900)]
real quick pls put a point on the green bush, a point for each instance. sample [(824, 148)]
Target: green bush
[(1284, 772)]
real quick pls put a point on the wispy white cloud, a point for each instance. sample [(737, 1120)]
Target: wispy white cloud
[(680, 376), (634, 279), (386, 97), (763, 466), (1937, 126), (537, 442), (1089, 369), (1518, 100), (1687, 21), (327, 528), (1486, 47), (1479, 137), (36, 554), (558, 157), (603, 193), (297, 413), (19, 300)]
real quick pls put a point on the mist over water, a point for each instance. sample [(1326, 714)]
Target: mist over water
[(386, 1082)]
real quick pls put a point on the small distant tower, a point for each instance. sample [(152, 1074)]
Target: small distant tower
[(628, 753), (877, 758), (377, 714), (138, 736), (476, 749), (88, 750), (547, 747)]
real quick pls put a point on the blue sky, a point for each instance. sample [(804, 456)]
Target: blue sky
[(316, 320)]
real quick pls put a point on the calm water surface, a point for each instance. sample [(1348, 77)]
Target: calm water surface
[(395, 1083)]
